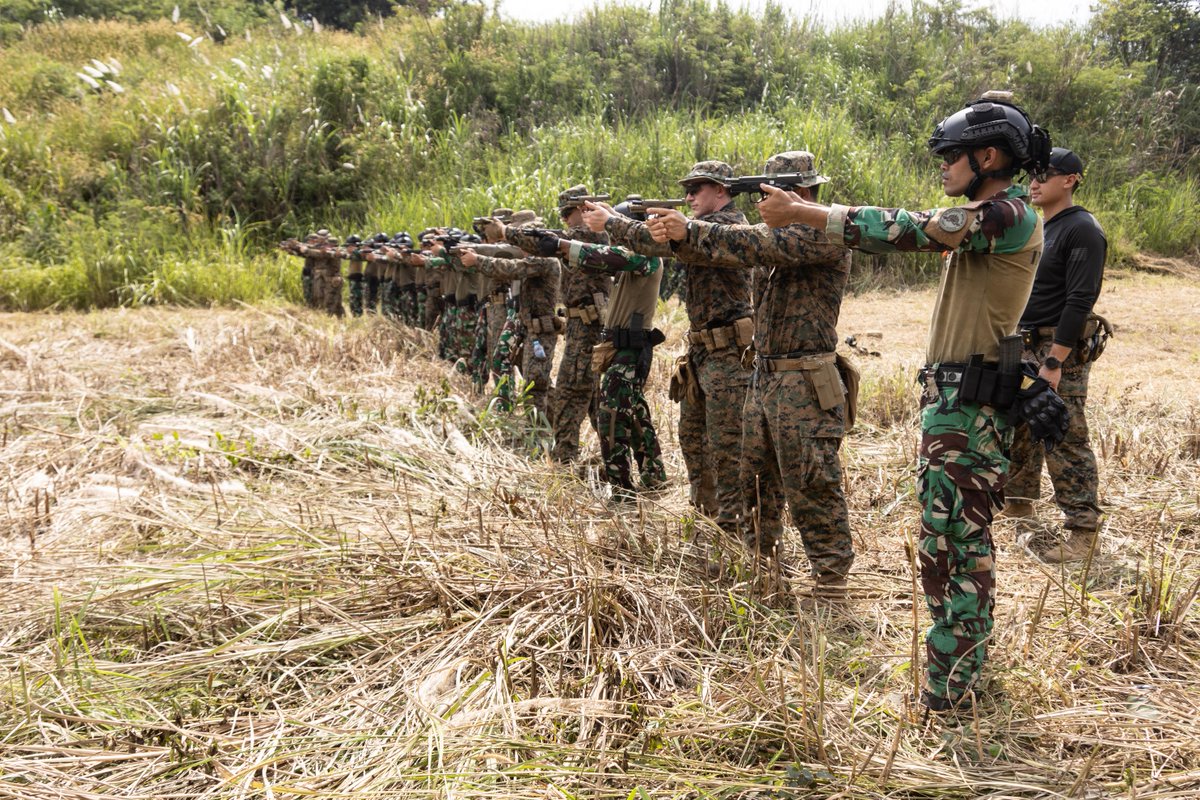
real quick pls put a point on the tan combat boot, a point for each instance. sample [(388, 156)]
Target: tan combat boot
[(827, 591), (1017, 508), (1077, 547)]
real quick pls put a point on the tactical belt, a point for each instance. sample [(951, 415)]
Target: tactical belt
[(541, 325), (625, 338), (1032, 337), (740, 333), (949, 373), (792, 363), (589, 314)]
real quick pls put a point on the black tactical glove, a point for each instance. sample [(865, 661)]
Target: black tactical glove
[(1040, 407), (547, 242)]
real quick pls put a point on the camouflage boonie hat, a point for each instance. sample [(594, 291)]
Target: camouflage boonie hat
[(578, 190), (526, 219), (793, 161), (708, 172)]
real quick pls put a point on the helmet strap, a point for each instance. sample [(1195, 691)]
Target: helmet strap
[(981, 176)]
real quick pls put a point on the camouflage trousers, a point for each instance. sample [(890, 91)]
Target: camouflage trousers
[(1072, 464), (961, 471), (464, 337), (508, 345), (574, 395), (445, 326), (356, 293), (407, 304), (627, 432), (535, 370), (327, 289), (373, 294), (431, 309), (477, 364), (790, 453), (306, 286), (710, 433), (390, 295)]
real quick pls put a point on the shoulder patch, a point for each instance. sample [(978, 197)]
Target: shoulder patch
[(952, 220)]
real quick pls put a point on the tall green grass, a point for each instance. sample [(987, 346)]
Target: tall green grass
[(126, 193)]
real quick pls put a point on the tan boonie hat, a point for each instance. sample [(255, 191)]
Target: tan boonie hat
[(708, 172), (794, 161), (526, 219)]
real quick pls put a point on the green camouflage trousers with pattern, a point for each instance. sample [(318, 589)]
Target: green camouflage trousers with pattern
[(478, 362), (507, 344), (445, 327), (356, 294), (1072, 464), (464, 336), (961, 471), (626, 430)]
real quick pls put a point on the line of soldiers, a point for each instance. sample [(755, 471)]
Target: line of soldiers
[(764, 398)]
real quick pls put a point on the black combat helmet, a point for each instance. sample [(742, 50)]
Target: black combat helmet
[(472, 238), (352, 239), (456, 233), (402, 240), (993, 120), (379, 238)]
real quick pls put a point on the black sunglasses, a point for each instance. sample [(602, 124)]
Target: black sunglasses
[(1046, 174)]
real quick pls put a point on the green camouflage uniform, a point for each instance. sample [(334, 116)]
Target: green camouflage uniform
[(582, 292), (626, 430), (538, 295), (992, 248), (710, 430), (354, 275), (789, 442)]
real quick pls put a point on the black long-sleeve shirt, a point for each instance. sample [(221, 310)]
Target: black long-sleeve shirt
[(1068, 276)]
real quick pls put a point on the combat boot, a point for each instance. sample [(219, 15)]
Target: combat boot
[(828, 591), (1017, 509), (1079, 545)]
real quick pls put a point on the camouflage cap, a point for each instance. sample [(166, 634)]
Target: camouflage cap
[(708, 172), (526, 219), (427, 234), (323, 232), (578, 190), (794, 161), (502, 214)]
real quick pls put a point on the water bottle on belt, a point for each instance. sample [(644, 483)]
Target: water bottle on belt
[(539, 352)]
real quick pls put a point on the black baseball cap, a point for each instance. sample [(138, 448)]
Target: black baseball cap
[(1066, 162)]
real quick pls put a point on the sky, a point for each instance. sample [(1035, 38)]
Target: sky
[(1037, 12)]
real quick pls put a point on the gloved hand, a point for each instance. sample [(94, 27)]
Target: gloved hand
[(547, 242), (1040, 407)]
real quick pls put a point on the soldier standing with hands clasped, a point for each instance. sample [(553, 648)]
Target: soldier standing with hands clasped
[(1059, 329)]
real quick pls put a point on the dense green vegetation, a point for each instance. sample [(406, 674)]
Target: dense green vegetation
[(148, 160)]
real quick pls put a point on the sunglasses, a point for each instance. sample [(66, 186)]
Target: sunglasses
[(1046, 174), (952, 154)]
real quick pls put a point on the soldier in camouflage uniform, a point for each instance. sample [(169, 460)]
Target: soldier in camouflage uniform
[(718, 307), (623, 356), (538, 278), (321, 276), (991, 248), (354, 273), (430, 300), (1055, 322), (585, 294), (794, 415)]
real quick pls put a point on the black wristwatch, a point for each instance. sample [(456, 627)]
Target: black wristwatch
[(1052, 363)]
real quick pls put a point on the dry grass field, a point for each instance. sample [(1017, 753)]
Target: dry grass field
[(261, 553)]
